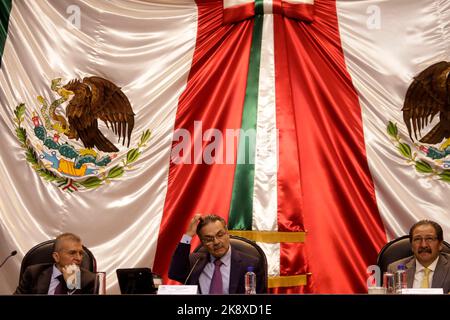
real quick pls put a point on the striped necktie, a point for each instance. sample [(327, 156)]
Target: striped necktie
[(216, 281)]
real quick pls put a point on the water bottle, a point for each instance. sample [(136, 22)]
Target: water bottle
[(400, 278), (250, 281)]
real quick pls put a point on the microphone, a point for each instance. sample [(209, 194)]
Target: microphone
[(190, 272), (13, 253)]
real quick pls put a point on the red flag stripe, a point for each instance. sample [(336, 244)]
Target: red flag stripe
[(299, 11), (239, 12), (290, 215)]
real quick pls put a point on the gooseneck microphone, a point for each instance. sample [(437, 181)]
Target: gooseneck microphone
[(190, 272), (13, 253)]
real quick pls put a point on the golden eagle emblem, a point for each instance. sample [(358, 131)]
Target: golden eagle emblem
[(94, 99), (427, 96), (46, 144)]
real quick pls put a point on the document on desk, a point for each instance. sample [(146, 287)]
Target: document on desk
[(175, 289)]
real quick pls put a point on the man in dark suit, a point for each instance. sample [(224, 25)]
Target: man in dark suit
[(219, 271), (62, 277), (428, 267)]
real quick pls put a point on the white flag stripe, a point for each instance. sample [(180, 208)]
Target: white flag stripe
[(383, 54), (268, 6), (265, 201), (272, 251), (265, 180)]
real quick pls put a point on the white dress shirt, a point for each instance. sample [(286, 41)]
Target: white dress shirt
[(54, 281)]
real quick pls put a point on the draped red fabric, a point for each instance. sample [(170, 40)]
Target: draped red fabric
[(289, 188), (304, 12), (215, 96), (239, 13), (344, 227)]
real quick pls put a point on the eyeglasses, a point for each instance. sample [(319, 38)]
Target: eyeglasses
[(426, 239), (210, 239)]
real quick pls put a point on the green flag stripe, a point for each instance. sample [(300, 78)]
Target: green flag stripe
[(5, 9), (259, 7), (241, 208)]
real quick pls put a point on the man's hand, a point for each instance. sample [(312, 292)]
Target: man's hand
[(71, 274), (193, 225), (69, 270)]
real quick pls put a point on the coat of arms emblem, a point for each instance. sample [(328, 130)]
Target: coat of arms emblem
[(427, 99), (67, 145)]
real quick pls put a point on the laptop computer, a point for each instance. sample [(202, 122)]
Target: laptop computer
[(136, 281)]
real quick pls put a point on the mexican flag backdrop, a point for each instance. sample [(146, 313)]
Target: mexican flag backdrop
[(283, 116)]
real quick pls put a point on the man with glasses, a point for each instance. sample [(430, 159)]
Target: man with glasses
[(64, 276), (428, 267), (219, 271)]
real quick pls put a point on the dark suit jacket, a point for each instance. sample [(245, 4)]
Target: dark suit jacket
[(183, 262), (441, 277), (36, 280)]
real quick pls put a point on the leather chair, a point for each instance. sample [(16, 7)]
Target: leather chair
[(249, 247), (42, 253), (398, 249)]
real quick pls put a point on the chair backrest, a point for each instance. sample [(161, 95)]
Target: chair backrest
[(42, 253), (249, 247), (398, 249)]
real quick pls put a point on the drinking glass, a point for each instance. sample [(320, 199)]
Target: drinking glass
[(389, 282)]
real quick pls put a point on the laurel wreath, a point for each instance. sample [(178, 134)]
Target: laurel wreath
[(421, 166), (88, 183)]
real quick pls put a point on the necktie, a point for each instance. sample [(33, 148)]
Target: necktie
[(61, 288), (216, 281), (425, 282)]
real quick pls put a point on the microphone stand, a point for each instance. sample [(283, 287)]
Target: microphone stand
[(13, 253), (190, 272)]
